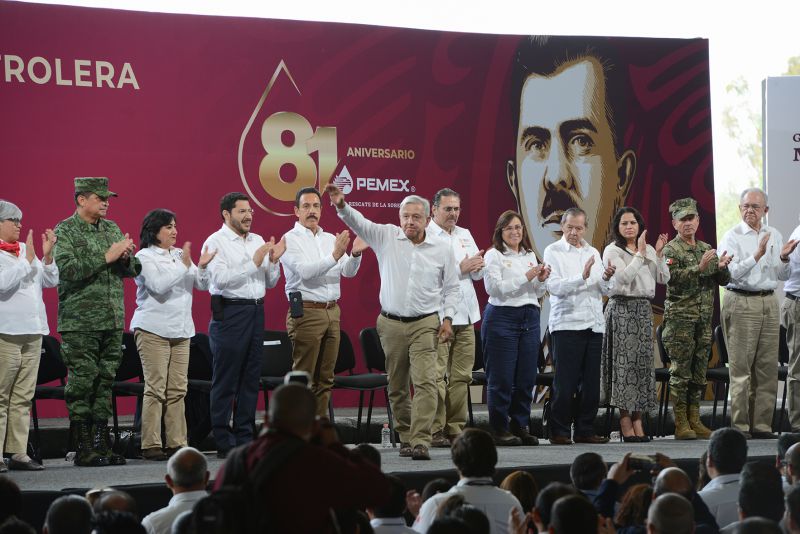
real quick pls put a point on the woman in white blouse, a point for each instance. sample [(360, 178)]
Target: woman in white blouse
[(162, 326), (510, 338), (626, 375)]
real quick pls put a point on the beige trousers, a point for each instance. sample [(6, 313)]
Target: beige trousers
[(453, 376), (165, 362), (751, 326), (411, 355), (19, 365), (790, 319), (315, 341)]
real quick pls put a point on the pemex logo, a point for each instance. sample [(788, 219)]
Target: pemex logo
[(344, 181), (288, 154)]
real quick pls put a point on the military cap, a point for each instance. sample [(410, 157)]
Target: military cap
[(98, 186), (683, 207)]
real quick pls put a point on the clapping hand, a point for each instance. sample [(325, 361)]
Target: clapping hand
[(609, 271), (472, 264), (48, 242), (335, 194), (661, 242), (587, 269)]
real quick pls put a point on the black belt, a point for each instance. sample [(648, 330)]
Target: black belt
[(793, 297), (751, 293), (243, 302), (405, 319)]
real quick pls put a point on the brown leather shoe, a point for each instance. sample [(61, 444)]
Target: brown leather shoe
[(155, 454), (594, 440), (506, 439), (560, 440), (438, 440), (420, 452), (405, 450)]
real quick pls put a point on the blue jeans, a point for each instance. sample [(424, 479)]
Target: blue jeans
[(576, 356), (510, 340)]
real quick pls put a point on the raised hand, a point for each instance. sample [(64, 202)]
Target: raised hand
[(706, 259), (762, 247), (335, 194), (724, 260), (472, 264), (544, 272), (641, 243), (186, 254), (788, 248), (609, 271), (30, 251), (340, 244), (277, 250), (587, 269), (262, 251), (120, 249), (661, 242), (205, 258), (359, 246), (48, 242)]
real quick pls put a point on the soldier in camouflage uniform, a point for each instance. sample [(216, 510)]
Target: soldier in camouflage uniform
[(93, 257), (695, 272)]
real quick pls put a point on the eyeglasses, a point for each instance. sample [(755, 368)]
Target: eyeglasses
[(14, 220), (517, 228), (754, 207)]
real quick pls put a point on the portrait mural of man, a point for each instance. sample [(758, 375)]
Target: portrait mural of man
[(568, 99)]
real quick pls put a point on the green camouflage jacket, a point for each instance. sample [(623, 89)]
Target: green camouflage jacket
[(90, 295), (689, 291)]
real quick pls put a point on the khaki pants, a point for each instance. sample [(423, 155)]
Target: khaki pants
[(790, 319), (453, 376), (165, 363), (411, 355), (751, 326), (315, 342), (19, 365)]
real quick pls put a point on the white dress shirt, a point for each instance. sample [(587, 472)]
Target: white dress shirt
[(742, 241), (636, 274), (792, 284), (233, 273), (481, 493), (160, 521), (463, 245), (390, 525), (415, 279), (164, 292), (309, 265), (721, 495), (21, 306), (575, 303), (505, 279)]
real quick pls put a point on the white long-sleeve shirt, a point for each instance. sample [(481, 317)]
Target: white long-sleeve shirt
[(505, 280), (21, 306), (415, 279), (575, 303), (636, 274), (309, 265), (233, 273), (742, 241), (792, 284), (164, 292), (463, 245)]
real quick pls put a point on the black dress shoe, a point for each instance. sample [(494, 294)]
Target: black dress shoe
[(631, 439), (560, 440), (506, 439), (764, 435), (645, 439), (30, 465), (594, 440)]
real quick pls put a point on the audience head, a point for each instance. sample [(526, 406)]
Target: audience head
[(633, 509), (10, 498), (785, 440), (369, 453), (792, 463), (293, 409), (727, 452), (523, 486), (396, 504), (670, 514), (760, 491), (446, 506), (702, 471), (183, 523), (475, 519), (545, 500), (187, 470), (115, 500), (673, 480), (573, 513), (14, 525), (588, 471), (117, 522), (792, 515), (437, 485), (69, 514), (448, 525), (757, 525), (474, 453)]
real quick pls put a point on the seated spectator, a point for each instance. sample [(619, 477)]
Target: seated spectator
[(388, 518), (573, 514), (670, 514), (785, 441), (702, 472), (523, 486), (448, 525), (117, 522), (635, 503), (10, 498), (475, 456), (791, 462), (675, 480), (760, 494), (115, 500), (600, 485), (69, 514), (315, 477), (476, 521), (414, 500), (544, 503), (187, 478), (93, 494), (370, 453), (758, 525), (183, 523), (727, 454), (13, 525), (791, 517)]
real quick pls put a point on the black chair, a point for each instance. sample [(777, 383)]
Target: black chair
[(478, 375), (363, 382), (662, 376), (375, 359), (276, 361), (129, 369), (200, 364), (545, 379), (783, 374), (720, 375), (197, 404), (51, 369)]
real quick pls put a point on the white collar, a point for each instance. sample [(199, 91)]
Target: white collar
[(233, 236)]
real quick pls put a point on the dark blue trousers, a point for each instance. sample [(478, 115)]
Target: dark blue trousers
[(236, 345), (576, 356), (510, 342)]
